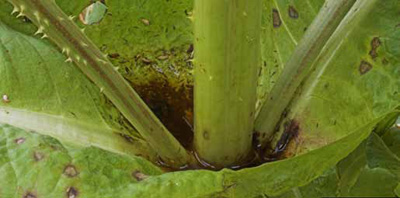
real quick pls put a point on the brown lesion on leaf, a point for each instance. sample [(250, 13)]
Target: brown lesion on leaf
[(375, 43), (364, 67), (29, 195), (72, 192), (114, 55), (293, 12), (127, 137), (385, 61), (291, 132), (139, 176), (38, 156), (276, 18), (70, 171)]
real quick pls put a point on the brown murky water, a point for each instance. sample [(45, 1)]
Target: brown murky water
[(173, 106)]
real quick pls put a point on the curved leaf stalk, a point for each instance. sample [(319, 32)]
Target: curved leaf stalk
[(298, 67), (53, 23), (227, 58)]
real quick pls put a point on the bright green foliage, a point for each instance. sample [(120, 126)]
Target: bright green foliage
[(52, 22), (397, 190), (336, 113), (45, 93), (279, 41), (356, 78), (43, 167), (122, 31), (299, 65), (365, 172), (271, 178)]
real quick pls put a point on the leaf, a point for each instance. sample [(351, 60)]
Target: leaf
[(271, 178), (279, 41), (374, 182), (379, 155), (397, 190), (350, 168), (277, 177), (323, 186), (367, 172), (353, 176), (148, 40), (48, 95), (40, 166), (355, 80), (392, 140)]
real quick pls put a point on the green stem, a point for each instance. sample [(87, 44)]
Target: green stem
[(63, 31), (227, 44), (299, 66)]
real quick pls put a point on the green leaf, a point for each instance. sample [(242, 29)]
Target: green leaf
[(323, 186), (367, 171), (279, 41), (379, 155), (350, 168), (355, 80), (353, 176), (332, 124), (397, 190), (148, 40), (392, 140), (40, 166), (374, 182), (48, 95)]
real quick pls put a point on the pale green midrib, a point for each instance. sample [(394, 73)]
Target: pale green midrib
[(75, 132)]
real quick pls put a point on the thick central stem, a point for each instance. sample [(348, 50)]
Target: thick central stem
[(227, 45)]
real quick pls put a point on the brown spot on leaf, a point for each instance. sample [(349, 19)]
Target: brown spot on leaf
[(385, 61), (139, 176), (375, 43), (37, 156), (29, 195), (276, 19), (206, 136), (127, 137), (365, 67), (293, 13), (70, 171), (20, 140), (190, 49), (113, 55), (72, 192)]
